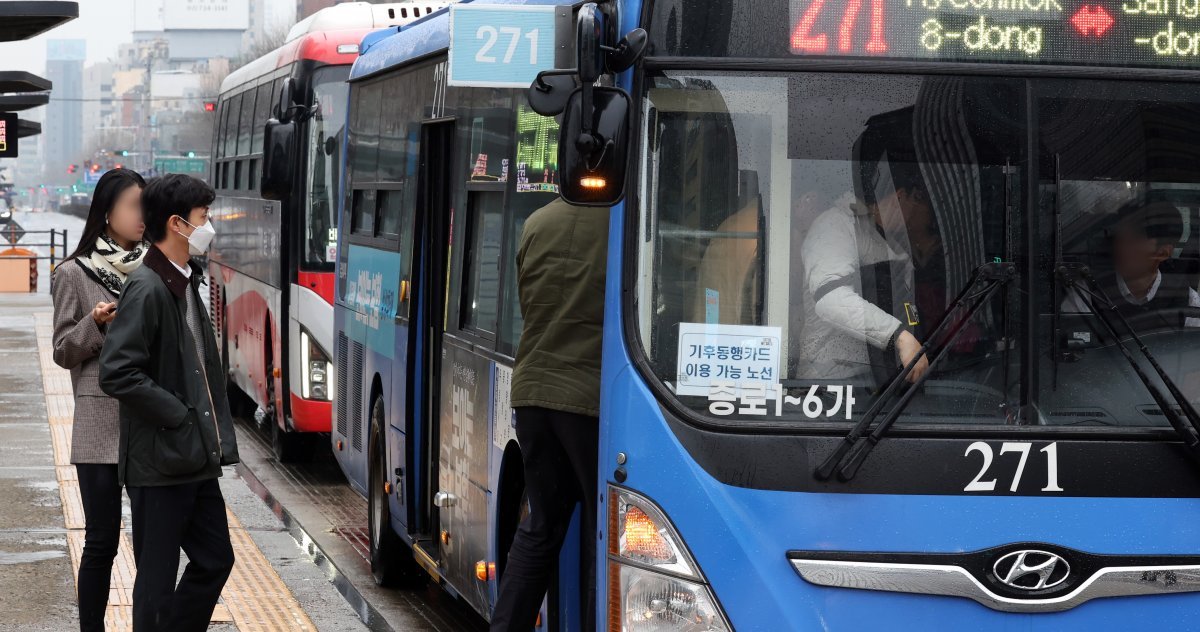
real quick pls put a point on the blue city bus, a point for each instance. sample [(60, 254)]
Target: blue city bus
[(900, 320)]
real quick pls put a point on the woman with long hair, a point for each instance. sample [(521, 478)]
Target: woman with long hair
[(86, 287)]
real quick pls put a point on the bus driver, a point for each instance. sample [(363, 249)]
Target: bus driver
[(1145, 235), (860, 307)]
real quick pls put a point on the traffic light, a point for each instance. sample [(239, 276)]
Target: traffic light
[(95, 167), (210, 106), (118, 166), (72, 168), (191, 154), (121, 152)]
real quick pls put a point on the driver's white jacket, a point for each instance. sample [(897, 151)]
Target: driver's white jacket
[(838, 322)]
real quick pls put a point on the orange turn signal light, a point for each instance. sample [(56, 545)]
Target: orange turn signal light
[(642, 536), (339, 445), (485, 570), (593, 182), (446, 538), (277, 372), (387, 488)]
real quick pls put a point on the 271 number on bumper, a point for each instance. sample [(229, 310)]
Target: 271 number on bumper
[(982, 484)]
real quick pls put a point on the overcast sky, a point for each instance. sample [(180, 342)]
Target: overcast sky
[(105, 24)]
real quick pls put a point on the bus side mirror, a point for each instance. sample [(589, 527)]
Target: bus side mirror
[(593, 155), (589, 43), (280, 142)]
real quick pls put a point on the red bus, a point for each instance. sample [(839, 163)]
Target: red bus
[(271, 271)]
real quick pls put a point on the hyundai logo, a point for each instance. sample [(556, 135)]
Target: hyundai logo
[(1031, 570)]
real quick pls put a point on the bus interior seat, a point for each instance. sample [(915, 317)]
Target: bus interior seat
[(731, 264)]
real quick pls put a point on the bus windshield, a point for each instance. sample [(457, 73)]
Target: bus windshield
[(324, 167), (800, 232)]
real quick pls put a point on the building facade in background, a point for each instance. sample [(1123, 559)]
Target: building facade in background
[(63, 130), (98, 105)]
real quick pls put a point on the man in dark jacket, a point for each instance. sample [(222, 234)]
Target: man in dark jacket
[(556, 398), (160, 361)]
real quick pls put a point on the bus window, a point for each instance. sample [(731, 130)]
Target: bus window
[(830, 236), (324, 167), (364, 131), (222, 118), (487, 132), (261, 114), (1128, 211), (362, 219), (391, 214), (481, 289), (246, 125), (231, 125), (536, 186)]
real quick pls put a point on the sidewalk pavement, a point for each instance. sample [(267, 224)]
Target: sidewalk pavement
[(274, 585)]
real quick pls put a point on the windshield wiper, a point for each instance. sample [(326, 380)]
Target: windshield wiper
[(857, 445), (1078, 277)]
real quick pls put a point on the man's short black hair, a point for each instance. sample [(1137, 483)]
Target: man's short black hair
[(886, 142), (1160, 220), (172, 194)]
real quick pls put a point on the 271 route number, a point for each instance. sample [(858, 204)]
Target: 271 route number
[(979, 484)]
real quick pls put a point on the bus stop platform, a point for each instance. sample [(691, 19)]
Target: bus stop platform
[(274, 584)]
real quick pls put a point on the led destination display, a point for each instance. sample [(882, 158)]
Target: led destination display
[(1148, 33)]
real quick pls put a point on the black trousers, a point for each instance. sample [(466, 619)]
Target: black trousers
[(166, 519), (559, 454), (101, 494)]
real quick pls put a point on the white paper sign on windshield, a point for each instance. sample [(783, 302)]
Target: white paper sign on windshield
[(738, 354)]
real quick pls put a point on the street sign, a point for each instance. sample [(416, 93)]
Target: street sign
[(90, 177), (8, 135), (181, 165), (500, 46), (12, 231)]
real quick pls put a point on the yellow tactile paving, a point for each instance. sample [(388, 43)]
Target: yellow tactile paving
[(254, 600)]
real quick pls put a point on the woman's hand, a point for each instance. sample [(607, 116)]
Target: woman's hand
[(907, 347), (103, 313)]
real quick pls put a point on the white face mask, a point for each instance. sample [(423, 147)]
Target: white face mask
[(200, 239)]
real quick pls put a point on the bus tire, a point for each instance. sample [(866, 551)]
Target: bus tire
[(291, 447), (392, 563)]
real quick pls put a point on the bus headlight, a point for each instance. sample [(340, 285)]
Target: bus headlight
[(316, 370), (653, 583)]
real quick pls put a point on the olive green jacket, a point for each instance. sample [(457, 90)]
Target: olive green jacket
[(560, 276)]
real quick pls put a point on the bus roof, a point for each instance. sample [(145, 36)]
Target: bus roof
[(398, 45), (319, 36)]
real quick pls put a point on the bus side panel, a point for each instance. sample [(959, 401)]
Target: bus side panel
[(347, 408), (250, 311), (247, 252), (464, 444), (397, 438), (367, 321)]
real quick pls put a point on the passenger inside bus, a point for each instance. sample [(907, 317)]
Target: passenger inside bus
[(1143, 238)]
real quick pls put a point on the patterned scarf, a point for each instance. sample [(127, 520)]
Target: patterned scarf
[(110, 263)]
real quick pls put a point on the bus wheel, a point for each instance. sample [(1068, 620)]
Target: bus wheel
[(291, 447), (391, 561)]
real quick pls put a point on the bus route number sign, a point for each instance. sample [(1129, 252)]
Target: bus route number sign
[(496, 46)]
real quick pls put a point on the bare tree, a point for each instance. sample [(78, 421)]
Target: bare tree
[(271, 39)]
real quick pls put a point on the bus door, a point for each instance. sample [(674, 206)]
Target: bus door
[(434, 221)]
